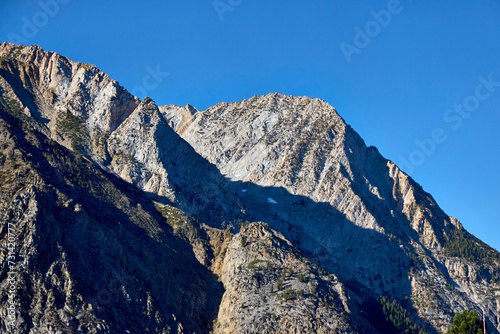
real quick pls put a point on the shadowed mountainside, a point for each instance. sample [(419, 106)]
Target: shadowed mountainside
[(191, 199)]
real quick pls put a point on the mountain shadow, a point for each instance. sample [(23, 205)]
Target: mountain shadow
[(93, 251)]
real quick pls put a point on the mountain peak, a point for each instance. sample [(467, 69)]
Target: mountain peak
[(277, 210), (192, 110)]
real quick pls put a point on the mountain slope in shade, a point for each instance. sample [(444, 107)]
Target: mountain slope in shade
[(294, 168), (94, 254), (97, 255), (81, 107), (302, 145)]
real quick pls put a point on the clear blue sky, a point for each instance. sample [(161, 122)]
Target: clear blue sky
[(405, 71)]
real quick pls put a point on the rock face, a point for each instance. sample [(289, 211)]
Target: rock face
[(92, 253), (268, 215), (370, 207), (270, 288)]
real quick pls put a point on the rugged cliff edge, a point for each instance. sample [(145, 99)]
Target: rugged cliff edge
[(92, 253), (260, 216), (302, 145)]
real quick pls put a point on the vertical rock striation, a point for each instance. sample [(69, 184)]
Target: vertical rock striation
[(265, 215)]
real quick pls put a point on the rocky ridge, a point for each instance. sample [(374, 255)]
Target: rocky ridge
[(301, 144), (81, 107), (288, 164), (92, 252)]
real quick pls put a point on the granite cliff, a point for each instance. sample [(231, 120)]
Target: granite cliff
[(261, 216)]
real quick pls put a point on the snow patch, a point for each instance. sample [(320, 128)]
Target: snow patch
[(270, 200)]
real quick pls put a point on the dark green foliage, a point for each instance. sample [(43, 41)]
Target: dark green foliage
[(253, 264), (322, 272), (279, 283), (12, 107), (72, 127), (396, 315), (217, 252), (465, 322), (93, 216), (463, 244), (173, 215), (288, 294), (243, 242)]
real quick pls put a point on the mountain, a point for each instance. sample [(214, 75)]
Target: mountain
[(268, 215), (93, 252)]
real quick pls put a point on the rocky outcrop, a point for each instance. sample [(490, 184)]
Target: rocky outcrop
[(91, 254), (302, 145), (271, 288), (83, 109), (271, 189), (48, 85)]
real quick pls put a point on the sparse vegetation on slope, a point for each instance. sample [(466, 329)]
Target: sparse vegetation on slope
[(72, 127), (463, 244), (398, 316), (275, 197)]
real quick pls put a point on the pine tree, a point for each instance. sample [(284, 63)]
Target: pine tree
[(465, 322)]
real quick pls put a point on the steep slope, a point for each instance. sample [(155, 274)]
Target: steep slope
[(83, 109), (271, 288), (302, 145), (318, 196), (93, 254)]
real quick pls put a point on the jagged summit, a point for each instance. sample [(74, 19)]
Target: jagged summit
[(274, 196)]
